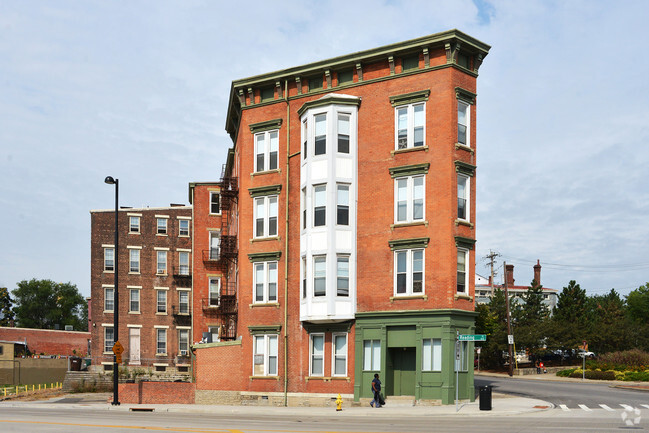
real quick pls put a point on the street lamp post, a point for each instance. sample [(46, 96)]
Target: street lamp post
[(109, 180)]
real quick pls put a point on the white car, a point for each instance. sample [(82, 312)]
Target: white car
[(587, 354)]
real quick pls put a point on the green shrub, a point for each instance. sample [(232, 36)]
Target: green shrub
[(634, 359), (566, 373), (636, 376)]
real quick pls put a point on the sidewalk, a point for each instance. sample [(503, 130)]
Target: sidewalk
[(641, 386), (502, 404)]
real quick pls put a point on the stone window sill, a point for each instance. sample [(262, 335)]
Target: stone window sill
[(265, 304), (459, 222), (463, 147), (408, 297), (409, 149), (410, 224)]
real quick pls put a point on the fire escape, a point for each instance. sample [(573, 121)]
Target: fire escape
[(222, 304)]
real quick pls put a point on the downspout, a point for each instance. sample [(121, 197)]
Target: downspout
[(286, 232)]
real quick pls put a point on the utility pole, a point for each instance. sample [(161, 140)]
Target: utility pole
[(492, 257), (510, 337)]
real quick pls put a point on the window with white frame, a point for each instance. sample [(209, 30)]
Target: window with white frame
[(162, 262), (109, 259), (303, 277), (215, 202), (410, 126), (162, 226), (342, 275), (409, 199), (183, 263), (265, 283), (342, 205), (161, 301), (134, 301), (183, 227), (371, 355), (319, 275), (215, 332), (265, 355), (463, 197), (109, 338), (214, 292), (134, 260), (462, 363), (134, 224), (266, 216), (317, 355), (215, 245), (320, 147), (161, 341), (183, 302), (431, 354), (343, 133), (463, 123), (462, 274), (303, 205), (183, 341), (266, 150), (339, 355), (109, 299), (319, 205), (409, 275), (305, 138)]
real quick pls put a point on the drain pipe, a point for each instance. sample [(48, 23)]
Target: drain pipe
[(288, 150)]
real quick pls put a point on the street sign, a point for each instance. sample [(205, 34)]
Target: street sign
[(470, 337), (118, 349), (118, 359), (510, 339)]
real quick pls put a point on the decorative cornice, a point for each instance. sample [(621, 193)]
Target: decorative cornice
[(329, 100), (465, 95), (379, 315), (265, 257), (462, 242), (265, 125), (265, 190), (409, 170), (264, 329), (406, 244), (465, 168), (410, 98)]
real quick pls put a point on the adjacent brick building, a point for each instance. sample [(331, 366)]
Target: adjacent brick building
[(155, 281), (347, 236)]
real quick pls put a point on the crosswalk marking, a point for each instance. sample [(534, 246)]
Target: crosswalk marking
[(564, 407), (603, 406), (586, 408), (645, 405), (626, 406)]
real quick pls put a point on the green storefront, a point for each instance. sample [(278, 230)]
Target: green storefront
[(414, 352)]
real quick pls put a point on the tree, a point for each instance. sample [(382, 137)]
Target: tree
[(637, 304), (568, 327), (44, 304), (611, 331), (530, 319), (492, 321), (6, 313)]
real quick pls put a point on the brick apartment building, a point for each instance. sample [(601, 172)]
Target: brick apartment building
[(345, 241), (155, 281)]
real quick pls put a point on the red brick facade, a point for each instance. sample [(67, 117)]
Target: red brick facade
[(49, 342), (150, 297), (156, 393), (382, 81)]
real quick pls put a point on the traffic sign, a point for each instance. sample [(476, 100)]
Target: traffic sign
[(118, 359), (510, 339), (470, 337), (118, 349)]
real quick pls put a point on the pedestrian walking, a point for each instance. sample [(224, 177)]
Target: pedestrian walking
[(376, 390)]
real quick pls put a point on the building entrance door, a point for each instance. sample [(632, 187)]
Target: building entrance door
[(404, 365), (134, 346)]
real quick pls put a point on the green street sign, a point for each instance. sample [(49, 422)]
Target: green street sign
[(469, 337)]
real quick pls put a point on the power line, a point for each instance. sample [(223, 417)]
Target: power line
[(590, 268)]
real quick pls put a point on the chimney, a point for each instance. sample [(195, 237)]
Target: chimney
[(537, 272), (509, 272)]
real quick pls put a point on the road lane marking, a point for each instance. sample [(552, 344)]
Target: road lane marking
[(564, 408), (586, 408), (135, 427), (626, 406), (603, 406), (645, 405)]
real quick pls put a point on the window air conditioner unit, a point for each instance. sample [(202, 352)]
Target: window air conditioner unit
[(183, 353)]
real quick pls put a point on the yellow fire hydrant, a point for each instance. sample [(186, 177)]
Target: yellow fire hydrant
[(339, 403)]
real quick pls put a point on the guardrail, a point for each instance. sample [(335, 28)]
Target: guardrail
[(23, 389)]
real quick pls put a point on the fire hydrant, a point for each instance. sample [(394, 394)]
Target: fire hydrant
[(339, 403)]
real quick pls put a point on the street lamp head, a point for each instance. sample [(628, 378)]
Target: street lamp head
[(109, 180)]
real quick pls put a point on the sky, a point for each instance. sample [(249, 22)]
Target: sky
[(138, 90)]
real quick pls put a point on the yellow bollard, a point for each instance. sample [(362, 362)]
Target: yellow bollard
[(39, 386), (339, 403)]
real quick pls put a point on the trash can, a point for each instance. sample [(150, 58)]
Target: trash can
[(485, 397), (75, 364)]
